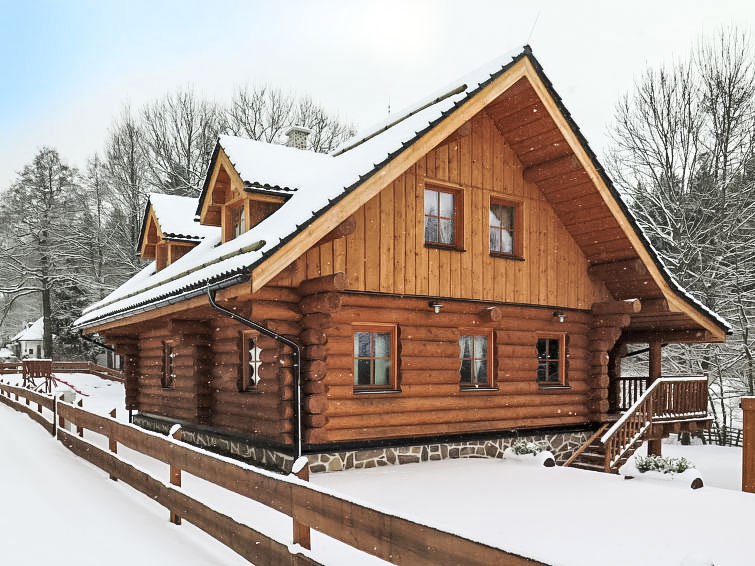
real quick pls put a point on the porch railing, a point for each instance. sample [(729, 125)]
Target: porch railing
[(666, 399)]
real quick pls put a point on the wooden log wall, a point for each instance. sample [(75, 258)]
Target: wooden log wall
[(609, 318), (430, 401), (128, 348), (268, 410), (386, 251)]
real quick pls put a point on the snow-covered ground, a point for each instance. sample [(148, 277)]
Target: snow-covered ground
[(560, 516)]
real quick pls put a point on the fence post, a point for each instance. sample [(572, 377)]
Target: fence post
[(112, 444), (61, 420), (175, 475), (53, 428), (302, 534), (79, 428)]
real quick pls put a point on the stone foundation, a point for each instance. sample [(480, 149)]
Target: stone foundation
[(562, 444), (225, 445)]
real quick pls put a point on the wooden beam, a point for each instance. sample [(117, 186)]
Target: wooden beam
[(548, 169), (628, 268), (629, 306), (652, 306), (345, 228), (666, 336)]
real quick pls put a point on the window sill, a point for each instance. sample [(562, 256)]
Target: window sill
[(444, 247), (512, 257), (250, 392), (467, 388), (376, 391), (554, 387)]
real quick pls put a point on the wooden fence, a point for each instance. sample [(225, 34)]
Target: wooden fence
[(391, 538), (69, 367), (722, 435)]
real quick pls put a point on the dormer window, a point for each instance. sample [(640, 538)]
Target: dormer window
[(236, 223)]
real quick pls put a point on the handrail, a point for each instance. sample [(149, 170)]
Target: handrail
[(584, 446), (666, 398)]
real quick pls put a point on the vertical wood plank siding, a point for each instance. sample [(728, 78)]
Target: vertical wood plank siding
[(386, 252)]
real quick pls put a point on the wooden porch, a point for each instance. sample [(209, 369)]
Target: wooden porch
[(646, 411)]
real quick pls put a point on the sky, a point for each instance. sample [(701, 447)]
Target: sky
[(68, 68)]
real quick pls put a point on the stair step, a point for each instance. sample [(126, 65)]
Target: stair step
[(587, 466), (591, 457)]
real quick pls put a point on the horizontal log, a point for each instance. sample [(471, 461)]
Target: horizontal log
[(317, 320), (425, 348), (490, 314), (332, 434), (428, 362), (429, 333), (314, 421), (652, 306), (630, 306), (629, 268), (313, 336), (276, 293), (611, 321), (327, 283), (263, 310), (320, 303), (285, 327), (315, 404), (316, 351), (517, 337), (549, 169), (427, 411)]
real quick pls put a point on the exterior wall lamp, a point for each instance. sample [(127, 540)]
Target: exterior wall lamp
[(560, 315), (436, 306)]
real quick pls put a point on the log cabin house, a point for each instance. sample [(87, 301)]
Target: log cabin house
[(459, 276)]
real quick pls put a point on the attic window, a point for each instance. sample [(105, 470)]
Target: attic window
[(236, 221), (443, 217), (505, 226)]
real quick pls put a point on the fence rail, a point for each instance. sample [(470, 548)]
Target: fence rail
[(722, 435), (386, 536), (69, 367)]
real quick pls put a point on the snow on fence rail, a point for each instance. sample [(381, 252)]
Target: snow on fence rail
[(70, 367), (379, 533)]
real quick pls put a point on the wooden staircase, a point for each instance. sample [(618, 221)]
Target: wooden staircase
[(670, 404)]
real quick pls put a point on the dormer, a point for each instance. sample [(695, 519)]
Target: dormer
[(233, 204), (168, 230)]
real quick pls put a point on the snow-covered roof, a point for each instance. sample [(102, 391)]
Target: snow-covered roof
[(315, 182), (33, 331), (175, 214)]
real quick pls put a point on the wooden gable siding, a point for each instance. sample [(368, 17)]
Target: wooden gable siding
[(386, 253)]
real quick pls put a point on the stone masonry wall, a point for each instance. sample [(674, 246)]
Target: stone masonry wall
[(562, 445)]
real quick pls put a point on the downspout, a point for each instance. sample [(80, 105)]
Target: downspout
[(211, 290)]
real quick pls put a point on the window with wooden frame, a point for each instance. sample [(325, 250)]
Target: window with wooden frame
[(551, 360), (505, 228), (374, 357), (235, 220), (249, 376), (169, 371), (443, 217), (474, 360)]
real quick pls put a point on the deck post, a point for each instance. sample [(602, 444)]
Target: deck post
[(654, 373), (748, 444)]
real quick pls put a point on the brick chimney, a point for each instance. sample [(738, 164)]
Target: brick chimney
[(297, 137)]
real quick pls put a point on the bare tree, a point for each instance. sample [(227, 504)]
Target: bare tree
[(179, 134), (684, 144), (263, 113)]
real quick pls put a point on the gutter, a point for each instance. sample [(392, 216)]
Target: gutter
[(93, 341), (211, 290)]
